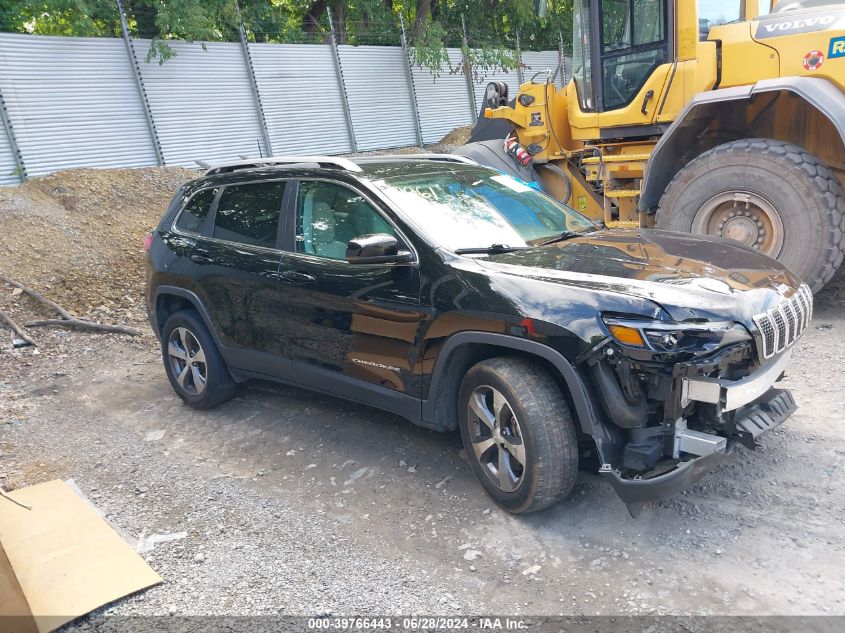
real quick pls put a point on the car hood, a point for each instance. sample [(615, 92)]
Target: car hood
[(690, 277)]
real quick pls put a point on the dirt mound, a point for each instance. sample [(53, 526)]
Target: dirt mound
[(77, 236), (458, 136)]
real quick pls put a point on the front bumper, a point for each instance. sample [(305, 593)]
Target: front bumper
[(763, 414), (733, 394)]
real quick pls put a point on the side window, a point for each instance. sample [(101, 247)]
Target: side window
[(616, 25), (249, 213), (633, 45), (648, 22), (196, 210), (581, 54), (329, 215)]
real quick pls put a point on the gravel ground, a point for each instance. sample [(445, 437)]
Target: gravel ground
[(295, 503)]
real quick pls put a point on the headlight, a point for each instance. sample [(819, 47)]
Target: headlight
[(661, 336)]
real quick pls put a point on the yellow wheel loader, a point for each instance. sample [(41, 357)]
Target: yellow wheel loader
[(716, 117)]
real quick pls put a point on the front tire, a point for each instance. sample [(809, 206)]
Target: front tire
[(194, 366), (768, 194), (518, 434)]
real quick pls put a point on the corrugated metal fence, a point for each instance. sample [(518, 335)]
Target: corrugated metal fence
[(79, 102)]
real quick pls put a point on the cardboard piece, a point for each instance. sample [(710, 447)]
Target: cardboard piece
[(64, 559), (15, 616)]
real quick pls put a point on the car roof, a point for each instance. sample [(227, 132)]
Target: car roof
[(367, 167), (379, 168)]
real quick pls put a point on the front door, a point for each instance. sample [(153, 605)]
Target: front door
[(352, 327), (237, 257)]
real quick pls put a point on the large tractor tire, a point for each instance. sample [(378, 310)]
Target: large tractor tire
[(767, 194)]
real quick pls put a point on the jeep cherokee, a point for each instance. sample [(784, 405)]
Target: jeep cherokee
[(458, 297)]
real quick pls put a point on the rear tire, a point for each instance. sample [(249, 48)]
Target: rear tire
[(526, 452), (194, 366), (771, 195)]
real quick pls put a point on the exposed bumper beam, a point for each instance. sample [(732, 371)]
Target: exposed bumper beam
[(733, 394)]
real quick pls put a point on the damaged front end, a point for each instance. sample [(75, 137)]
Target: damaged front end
[(678, 397)]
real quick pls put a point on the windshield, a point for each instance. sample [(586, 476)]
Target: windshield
[(479, 208)]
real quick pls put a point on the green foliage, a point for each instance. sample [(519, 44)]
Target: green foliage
[(488, 59), (85, 18), (430, 50), (432, 26)]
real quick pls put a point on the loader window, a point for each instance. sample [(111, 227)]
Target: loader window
[(633, 45), (581, 60), (616, 25)]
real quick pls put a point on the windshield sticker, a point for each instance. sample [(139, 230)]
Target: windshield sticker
[(511, 183), (779, 27), (837, 47), (813, 60)]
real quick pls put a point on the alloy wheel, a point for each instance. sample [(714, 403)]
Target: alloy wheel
[(496, 438), (187, 361)]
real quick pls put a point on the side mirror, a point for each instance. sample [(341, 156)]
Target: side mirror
[(379, 248)]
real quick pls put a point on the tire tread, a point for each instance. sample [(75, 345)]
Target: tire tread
[(552, 428), (220, 386)]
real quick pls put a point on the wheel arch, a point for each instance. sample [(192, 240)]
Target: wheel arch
[(172, 299), (464, 349), (805, 111)]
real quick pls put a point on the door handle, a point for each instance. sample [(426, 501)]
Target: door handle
[(646, 99), (201, 259), (296, 277)]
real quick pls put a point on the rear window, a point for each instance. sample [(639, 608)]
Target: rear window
[(250, 213), (196, 210)]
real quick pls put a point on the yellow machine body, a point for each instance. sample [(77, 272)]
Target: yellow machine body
[(606, 150)]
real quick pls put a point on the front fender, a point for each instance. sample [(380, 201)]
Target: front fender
[(665, 160), (588, 416)]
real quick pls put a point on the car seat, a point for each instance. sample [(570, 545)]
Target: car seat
[(323, 242)]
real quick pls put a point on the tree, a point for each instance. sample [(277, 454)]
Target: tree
[(492, 25), (423, 14)]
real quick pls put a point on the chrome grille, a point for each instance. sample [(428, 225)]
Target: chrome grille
[(781, 326)]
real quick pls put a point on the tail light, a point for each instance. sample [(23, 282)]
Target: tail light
[(148, 241)]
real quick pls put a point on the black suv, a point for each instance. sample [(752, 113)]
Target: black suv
[(459, 297)]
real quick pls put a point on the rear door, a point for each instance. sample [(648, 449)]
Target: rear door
[(352, 327), (237, 258)]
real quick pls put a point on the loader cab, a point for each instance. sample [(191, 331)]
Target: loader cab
[(628, 56), (617, 46)]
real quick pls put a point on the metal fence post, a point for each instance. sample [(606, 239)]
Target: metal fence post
[(473, 107), (341, 83), (409, 72), (139, 82), (253, 82), (13, 142), (518, 61)]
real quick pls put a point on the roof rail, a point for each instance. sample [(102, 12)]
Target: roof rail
[(251, 163), (449, 158), (446, 158)]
